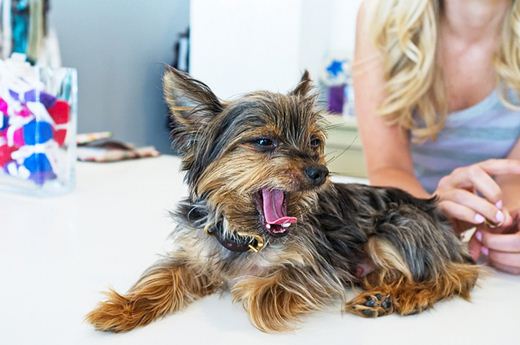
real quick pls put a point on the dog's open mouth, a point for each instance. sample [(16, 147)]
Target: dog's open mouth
[(272, 206)]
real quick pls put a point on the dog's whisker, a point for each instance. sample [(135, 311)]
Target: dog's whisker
[(329, 127), (343, 151)]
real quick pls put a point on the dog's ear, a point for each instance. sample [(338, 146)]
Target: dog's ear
[(192, 105), (304, 87), (190, 101)]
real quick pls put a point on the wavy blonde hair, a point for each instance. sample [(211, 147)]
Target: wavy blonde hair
[(406, 33)]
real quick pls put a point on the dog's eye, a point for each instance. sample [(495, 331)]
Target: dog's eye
[(265, 143), (315, 143)]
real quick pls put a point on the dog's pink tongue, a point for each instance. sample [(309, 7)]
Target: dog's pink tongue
[(274, 211)]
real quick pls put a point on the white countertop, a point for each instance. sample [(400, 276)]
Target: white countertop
[(57, 254)]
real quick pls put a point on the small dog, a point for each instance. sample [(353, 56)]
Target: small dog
[(263, 220)]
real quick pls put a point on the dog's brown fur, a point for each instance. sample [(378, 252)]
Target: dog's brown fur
[(415, 258)]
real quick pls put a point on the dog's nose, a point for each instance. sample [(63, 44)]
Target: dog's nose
[(316, 174)]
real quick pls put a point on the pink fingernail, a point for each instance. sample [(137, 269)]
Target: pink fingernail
[(479, 218), (484, 251), (500, 217), (499, 204), (478, 235)]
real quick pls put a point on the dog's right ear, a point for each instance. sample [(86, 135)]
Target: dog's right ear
[(304, 87), (192, 105)]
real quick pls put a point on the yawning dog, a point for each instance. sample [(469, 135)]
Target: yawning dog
[(264, 221)]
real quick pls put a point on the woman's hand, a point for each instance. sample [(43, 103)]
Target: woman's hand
[(500, 245), (470, 195)]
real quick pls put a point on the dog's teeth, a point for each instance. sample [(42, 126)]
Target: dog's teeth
[(268, 226), (286, 225)]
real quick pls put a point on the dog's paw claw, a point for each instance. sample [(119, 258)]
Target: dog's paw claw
[(370, 304), (387, 303), (369, 312)]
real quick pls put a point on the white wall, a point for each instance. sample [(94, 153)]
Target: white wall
[(238, 45), (327, 30), (244, 45), (119, 48), (343, 24)]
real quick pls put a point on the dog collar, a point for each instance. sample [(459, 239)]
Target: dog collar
[(238, 242)]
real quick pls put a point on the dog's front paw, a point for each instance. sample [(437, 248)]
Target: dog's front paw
[(115, 314), (371, 304), (274, 310), (273, 307)]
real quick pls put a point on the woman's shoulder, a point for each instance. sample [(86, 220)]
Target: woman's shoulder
[(368, 9), (365, 29)]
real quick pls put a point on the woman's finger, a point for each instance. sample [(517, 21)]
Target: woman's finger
[(478, 176), (492, 167), (460, 212), (507, 259), (501, 166), (479, 205), (509, 243), (505, 268), (485, 184), (474, 178)]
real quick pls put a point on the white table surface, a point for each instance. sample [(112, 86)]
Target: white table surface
[(57, 254)]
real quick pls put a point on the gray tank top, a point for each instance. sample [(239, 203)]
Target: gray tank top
[(485, 130)]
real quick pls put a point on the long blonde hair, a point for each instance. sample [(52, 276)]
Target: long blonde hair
[(406, 34)]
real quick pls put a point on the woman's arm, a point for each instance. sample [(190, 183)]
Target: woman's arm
[(387, 151)]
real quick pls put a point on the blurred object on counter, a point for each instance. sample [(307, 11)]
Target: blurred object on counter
[(25, 29), (181, 51), (86, 138), (336, 86), (99, 147), (37, 127)]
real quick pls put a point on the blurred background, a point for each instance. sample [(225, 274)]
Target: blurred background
[(119, 48)]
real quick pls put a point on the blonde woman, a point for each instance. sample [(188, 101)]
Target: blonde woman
[(437, 87)]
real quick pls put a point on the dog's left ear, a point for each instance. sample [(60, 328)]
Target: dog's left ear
[(304, 87), (192, 106), (191, 102)]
